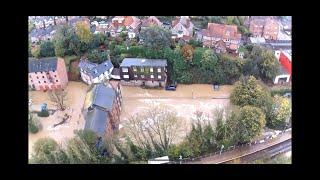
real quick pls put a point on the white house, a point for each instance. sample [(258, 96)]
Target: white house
[(95, 73), (182, 27)]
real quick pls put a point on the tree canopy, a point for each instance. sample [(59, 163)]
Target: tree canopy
[(155, 37)]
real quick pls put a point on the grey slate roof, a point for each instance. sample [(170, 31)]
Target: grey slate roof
[(143, 62), (87, 65), (101, 68), (44, 64), (95, 70), (103, 96), (96, 120)]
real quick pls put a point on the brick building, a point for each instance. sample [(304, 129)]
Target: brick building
[(47, 73)]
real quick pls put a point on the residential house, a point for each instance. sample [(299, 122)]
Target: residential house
[(145, 72), (182, 27), (223, 38), (95, 73), (285, 73), (100, 27), (264, 27), (102, 109), (130, 23), (150, 21), (38, 35), (47, 73)]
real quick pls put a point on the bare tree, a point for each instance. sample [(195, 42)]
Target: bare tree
[(58, 97), (156, 127)]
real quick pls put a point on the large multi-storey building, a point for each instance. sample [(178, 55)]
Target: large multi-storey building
[(145, 72), (47, 73)]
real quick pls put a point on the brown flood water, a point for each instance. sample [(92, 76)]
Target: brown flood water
[(75, 99)]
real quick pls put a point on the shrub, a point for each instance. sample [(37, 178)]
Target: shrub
[(34, 124)]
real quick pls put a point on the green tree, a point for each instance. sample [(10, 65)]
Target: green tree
[(231, 66), (34, 124), (269, 66), (61, 41), (83, 32), (98, 56), (47, 49), (250, 123), (195, 43), (36, 52), (44, 151), (261, 63), (280, 113), (209, 60), (29, 47), (99, 40), (155, 37), (249, 92), (88, 136)]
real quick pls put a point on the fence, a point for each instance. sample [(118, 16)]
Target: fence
[(230, 148)]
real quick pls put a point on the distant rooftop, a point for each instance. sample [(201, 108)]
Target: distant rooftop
[(143, 62)]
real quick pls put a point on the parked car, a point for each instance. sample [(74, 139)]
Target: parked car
[(172, 86)]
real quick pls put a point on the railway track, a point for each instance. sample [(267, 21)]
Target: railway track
[(271, 148), (269, 152)]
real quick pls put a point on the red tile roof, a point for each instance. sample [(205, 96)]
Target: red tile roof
[(152, 20), (222, 31)]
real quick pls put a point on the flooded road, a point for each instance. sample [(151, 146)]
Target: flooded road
[(75, 99), (205, 99)]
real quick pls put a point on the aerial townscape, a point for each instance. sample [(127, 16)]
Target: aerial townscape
[(159, 90)]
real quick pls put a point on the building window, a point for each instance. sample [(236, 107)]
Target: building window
[(57, 81), (142, 69), (39, 82), (29, 76), (134, 69), (55, 75), (37, 77), (126, 76), (151, 69), (124, 69), (36, 72), (159, 69), (45, 81), (42, 76), (142, 76), (151, 76), (159, 76), (31, 80)]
